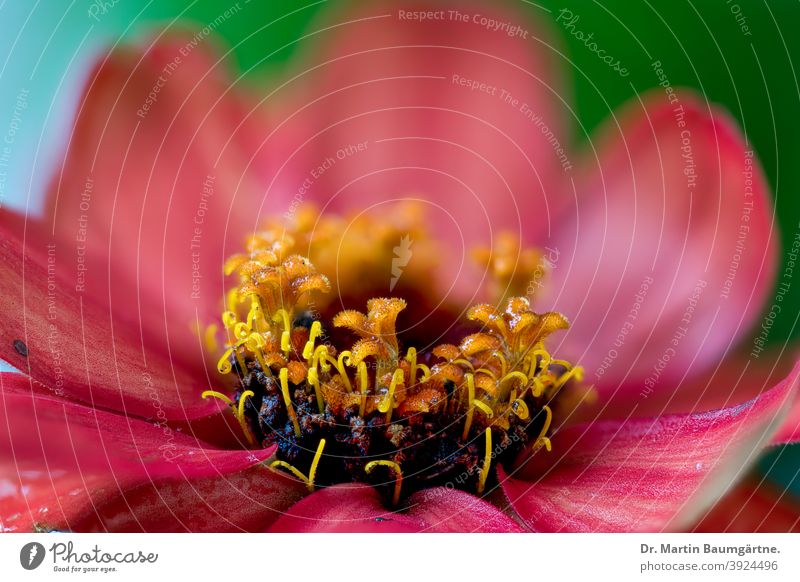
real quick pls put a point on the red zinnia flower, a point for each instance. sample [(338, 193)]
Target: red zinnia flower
[(661, 247)]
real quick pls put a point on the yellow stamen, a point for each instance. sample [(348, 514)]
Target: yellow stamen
[(308, 349), (224, 364), (487, 372), (363, 380), (387, 405), (519, 408), (232, 300), (483, 408), (545, 361), (313, 379), (426, 373), (509, 379), (286, 344), (398, 476), (470, 409), (411, 358), (241, 418), (284, 378), (487, 462), (465, 362), (542, 439), (291, 468), (312, 472), (219, 395)]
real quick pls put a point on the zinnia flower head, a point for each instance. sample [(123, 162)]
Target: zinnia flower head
[(472, 328)]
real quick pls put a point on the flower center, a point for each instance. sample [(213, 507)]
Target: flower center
[(366, 405)]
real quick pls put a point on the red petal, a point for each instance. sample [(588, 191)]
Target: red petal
[(69, 344), (753, 507), (166, 166), (378, 78), (653, 270), (60, 460), (360, 508), (644, 474)]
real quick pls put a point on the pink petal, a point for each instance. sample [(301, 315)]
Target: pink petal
[(61, 461), (651, 267), (71, 345), (375, 77), (164, 176), (644, 474), (752, 507), (247, 501), (360, 508)]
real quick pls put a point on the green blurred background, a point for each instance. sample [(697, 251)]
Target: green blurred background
[(738, 53)]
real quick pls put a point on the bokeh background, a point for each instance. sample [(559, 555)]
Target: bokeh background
[(741, 54)]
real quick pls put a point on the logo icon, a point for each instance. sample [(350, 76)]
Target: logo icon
[(402, 255), (31, 555)]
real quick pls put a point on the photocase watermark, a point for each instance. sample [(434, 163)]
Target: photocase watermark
[(784, 285), (31, 555), (677, 337), (568, 20), (627, 327), (525, 109), (744, 226), (206, 192), (168, 448), (402, 256), (169, 69), (547, 262), (100, 8), (319, 170)]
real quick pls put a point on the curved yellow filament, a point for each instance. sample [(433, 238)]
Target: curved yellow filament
[(312, 472), (313, 379), (241, 418), (411, 358), (470, 409), (284, 378), (313, 334), (487, 372), (224, 364), (576, 372), (483, 408), (542, 439), (519, 408), (220, 395), (286, 343), (465, 362), (363, 381), (387, 405), (487, 462), (232, 300), (545, 361), (426, 373), (291, 468), (398, 476)]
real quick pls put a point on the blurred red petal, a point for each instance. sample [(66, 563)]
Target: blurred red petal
[(672, 252), (360, 508), (644, 474), (69, 344), (164, 175), (753, 507), (442, 111), (62, 460)]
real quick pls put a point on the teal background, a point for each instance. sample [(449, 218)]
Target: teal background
[(45, 47)]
